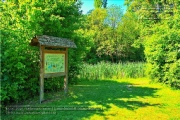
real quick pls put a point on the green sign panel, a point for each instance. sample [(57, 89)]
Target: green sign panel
[(54, 63)]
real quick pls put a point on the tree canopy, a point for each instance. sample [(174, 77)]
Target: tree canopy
[(159, 21), (148, 31), (21, 21)]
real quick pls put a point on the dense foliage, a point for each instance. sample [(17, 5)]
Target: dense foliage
[(20, 22), (160, 35), (104, 34), (113, 35)]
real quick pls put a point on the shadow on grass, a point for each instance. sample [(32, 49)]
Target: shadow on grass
[(106, 92), (101, 92)]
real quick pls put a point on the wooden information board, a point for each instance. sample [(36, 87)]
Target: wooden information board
[(53, 59)]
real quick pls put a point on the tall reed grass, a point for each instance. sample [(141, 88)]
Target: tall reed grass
[(104, 70)]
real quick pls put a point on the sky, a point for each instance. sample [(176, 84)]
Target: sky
[(89, 4)]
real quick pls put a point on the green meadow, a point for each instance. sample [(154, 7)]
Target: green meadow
[(121, 58), (120, 98)]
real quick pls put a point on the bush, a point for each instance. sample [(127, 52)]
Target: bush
[(162, 51), (21, 21)]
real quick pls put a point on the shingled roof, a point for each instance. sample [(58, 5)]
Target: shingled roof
[(52, 41)]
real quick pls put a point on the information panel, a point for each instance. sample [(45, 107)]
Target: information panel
[(54, 62)]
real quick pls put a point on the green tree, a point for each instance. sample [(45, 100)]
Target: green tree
[(114, 15), (97, 3), (95, 26), (159, 21), (127, 47), (162, 51), (104, 3), (111, 37), (106, 34), (20, 22)]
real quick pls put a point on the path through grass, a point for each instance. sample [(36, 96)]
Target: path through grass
[(124, 99)]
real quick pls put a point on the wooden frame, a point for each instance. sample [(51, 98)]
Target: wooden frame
[(43, 75), (56, 45)]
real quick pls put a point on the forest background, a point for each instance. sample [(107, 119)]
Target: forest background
[(148, 32)]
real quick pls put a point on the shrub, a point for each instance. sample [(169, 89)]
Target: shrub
[(162, 50), (21, 21)]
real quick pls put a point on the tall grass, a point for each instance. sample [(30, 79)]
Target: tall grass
[(104, 70)]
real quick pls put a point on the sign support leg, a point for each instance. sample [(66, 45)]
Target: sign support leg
[(41, 89), (66, 76), (41, 75)]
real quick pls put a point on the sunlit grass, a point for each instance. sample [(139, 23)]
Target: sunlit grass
[(120, 99)]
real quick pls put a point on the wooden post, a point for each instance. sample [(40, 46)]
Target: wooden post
[(66, 72), (41, 74)]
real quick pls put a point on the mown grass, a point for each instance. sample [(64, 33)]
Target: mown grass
[(104, 70), (120, 99)]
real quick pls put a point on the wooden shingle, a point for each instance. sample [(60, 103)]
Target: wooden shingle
[(52, 41)]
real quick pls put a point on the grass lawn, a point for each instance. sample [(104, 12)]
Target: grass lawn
[(122, 99)]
